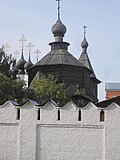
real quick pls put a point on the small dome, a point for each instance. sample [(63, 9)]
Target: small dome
[(84, 43), (28, 64), (58, 29), (20, 64)]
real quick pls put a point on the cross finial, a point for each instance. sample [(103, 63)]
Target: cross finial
[(37, 52), (15, 54), (6, 46), (58, 8), (30, 45), (84, 27), (22, 40)]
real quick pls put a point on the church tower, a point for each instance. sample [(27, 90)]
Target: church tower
[(60, 63), (84, 59)]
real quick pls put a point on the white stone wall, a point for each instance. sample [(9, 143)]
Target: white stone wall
[(66, 139)]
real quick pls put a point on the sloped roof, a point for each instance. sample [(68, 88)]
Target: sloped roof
[(112, 86), (59, 56), (84, 59), (106, 103)]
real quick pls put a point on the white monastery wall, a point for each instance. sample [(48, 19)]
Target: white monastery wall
[(69, 138)]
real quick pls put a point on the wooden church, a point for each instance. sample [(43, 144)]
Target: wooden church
[(63, 65)]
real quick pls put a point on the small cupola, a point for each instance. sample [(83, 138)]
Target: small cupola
[(29, 63), (21, 62), (59, 29), (84, 43)]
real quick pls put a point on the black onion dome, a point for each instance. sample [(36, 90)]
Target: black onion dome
[(84, 43), (20, 64), (59, 29), (28, 64)]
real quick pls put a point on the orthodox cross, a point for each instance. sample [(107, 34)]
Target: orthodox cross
[(84, 27), (37, 52), (6, 46), (22, 40), (30, 47), (58, 8), (15, 54)]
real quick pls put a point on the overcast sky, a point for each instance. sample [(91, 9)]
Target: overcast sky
[(34, 19)]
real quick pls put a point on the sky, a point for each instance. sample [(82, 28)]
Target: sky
[(34, 19)]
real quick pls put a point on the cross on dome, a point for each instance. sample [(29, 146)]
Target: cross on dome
[(15, 54), (22, 40), (30, 45), (84, 27), (58, 8), (37, 52), (84, 43), (6, 46)]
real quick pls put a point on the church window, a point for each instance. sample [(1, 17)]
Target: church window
[(102, 116)]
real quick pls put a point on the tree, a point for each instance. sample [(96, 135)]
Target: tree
[(47, 88), (5, 88), (18, 90), (5, 62), (11, 89)]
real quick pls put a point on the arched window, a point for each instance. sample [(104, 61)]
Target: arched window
[(102, 116), (79, 114)]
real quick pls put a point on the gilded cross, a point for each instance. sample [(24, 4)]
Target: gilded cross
[(6, 46), (37, 52), (15, 54), (22, 40), (30, 47)]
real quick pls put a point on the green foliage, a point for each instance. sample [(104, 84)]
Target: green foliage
[(5, 88), (18, 89), (5, 62), (47, 88), (11, 89), (78, 91)]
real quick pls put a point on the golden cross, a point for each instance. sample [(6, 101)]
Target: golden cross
[(37, 52), (15, 54), (6, 46), (30, 45), (22, 40)]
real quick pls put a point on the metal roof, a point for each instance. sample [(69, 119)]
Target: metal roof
[(112, 86)]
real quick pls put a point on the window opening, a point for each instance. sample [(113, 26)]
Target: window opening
[(79, 115), (58, 114), (38, 117), (102, 116), (18, 113)]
